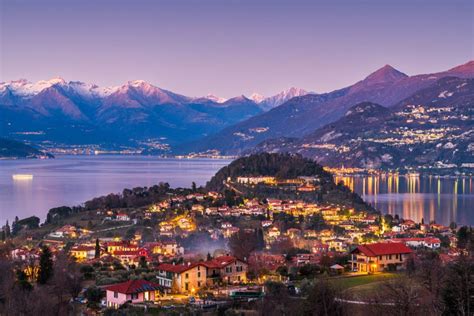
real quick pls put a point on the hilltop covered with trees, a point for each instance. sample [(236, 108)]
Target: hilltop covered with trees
[(285, 167), (282, 166)]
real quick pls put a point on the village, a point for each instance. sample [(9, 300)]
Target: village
[(203, 249)]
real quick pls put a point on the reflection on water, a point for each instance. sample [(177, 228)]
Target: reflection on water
[(443, 200), (71, 180)]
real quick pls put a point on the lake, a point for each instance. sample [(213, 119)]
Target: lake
[(72, 180), (443, 200)]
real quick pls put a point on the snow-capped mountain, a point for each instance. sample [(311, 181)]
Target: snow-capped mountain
[(215, 98), (280, 98), (257, 98), (134, 110), (268, 103)]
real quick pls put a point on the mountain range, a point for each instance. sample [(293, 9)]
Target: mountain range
[(76, 113), (302, 115), (432, 128), (386, 103)]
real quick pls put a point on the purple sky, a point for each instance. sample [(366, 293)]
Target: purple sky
[(231, 47)]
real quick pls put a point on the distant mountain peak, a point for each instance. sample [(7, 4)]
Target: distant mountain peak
[(385, 74), (240, 98), (215, 98), (464, 68), (256, 97)]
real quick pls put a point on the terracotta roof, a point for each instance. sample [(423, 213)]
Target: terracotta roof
[(220, 262), (177, 268), (83, 248), (379, 249), (133, 286)]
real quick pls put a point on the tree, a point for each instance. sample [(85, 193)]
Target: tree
[(7, 230), (45, 265), (22, 280), (260, 239), (143, 264), (65, 283), (322, 300), (130, 234), (317, 222), (458, 290), (399, 296), (464, 237), (276, 298), (93, 295), (97, 249), (242, 244), (15, 226)]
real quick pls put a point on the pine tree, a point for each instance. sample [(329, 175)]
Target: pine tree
[(45, 265), (97, 249), (15, 226), (7, 230)]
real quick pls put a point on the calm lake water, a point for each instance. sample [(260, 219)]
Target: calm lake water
[(72, 180), (443, 200)]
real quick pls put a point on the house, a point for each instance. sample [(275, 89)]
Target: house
[(228, 269), (135, 291), (122, 217), (65, 231), (182, 278), (273, 232), (302, 259), (256, 180), (416, 242), (189, 277), (83, 252), (132, 256), (122, 245), (379, 257)]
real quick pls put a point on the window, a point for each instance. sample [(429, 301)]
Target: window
[(116, 294), (199, 274), (134, 296), (238, 278), (199, 283), (186, 286), (396, 256), (390, 257), (186, 276), (380, 257)]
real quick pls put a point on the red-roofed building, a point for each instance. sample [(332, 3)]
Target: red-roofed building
[(135, 291), (415, 242), (132, 256), (379, 257), (229, 269), (189, 277), (182, 278)]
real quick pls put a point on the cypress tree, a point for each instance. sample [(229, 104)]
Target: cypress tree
[(97, 249), (45, 265)]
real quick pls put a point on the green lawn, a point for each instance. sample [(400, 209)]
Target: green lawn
[(345, 283)]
